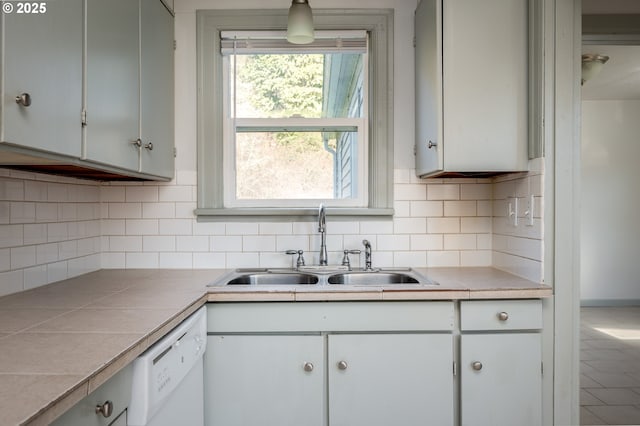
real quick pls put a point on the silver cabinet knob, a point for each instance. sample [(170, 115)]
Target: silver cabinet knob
[(137, 143), (476, 365), (149, 146), (105, 409), (24, 99), (432, 144), (308, 367), (342, 365), (503, 316)]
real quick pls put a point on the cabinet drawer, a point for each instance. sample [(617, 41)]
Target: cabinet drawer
[(501, 315)]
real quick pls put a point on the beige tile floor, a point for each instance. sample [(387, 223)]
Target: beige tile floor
[(610, 366)]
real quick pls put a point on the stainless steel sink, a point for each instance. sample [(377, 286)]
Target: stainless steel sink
[(379, 277), (273, 278)]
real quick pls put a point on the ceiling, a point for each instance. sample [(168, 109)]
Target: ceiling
[(620, 76)]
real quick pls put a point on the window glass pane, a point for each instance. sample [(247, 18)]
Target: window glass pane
[(296, 165), (297, 85)]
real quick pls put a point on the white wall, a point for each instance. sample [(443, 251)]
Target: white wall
[(610, 227)]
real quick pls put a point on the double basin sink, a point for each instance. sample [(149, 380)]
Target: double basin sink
[(284, 276)]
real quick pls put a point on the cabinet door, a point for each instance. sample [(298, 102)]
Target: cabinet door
[(485, 61), (112, 82), (156, 103), (505, 388), (428, 63), (263, 380), (42, 56), (390, 379)]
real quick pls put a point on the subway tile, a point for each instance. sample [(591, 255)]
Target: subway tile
[(415, 259), (445, 225), (209, 260), (376, 227), (158, 210), (145, 194), (477, 225), (175, 193), (402, 208), (275, 228), (242, 260), (112, 194), (225, 243), (113, 227), (57, 271), (125, 243), (25, 212), (380, 259), (57, 231), (242, 228), (22, 257), (504, 190), (427, 208), (68, 249), (443, 192), (67, 211), (112, 260), (11, 190), (485, 208), (460, 242), (11, 235), (460, 208), (476, 191), (35, 277), (187, 177), (305, 228), (208, 228), (475, 258), (276, 260), (175, 226), (354, 242), (427, 242), (5, 259), (342, 227), (190, 243), (402, 176), (57, 192), (142, 260), (410, 192), (414, 225), (393, 242), (292, 242), (443, 258), (11, 282), (484, 241), (47, 253), (186, 210), (35, 191), (125, 210), (156, 243), (141, 226), (5, 212), (87, 246), (176, 260)]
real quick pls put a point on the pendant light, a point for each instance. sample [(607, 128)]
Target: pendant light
[(300, 23), (592, 65)]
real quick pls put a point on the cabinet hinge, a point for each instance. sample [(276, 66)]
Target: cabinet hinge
[(175, 152), (175, 44), (414, 41), (455, 368), (542, 368), (83, 117)]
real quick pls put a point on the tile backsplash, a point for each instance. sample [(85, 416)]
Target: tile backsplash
[(53, 228)]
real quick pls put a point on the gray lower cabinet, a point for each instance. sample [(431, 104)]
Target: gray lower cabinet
[(105, 406), (501, 363), (332, 364)]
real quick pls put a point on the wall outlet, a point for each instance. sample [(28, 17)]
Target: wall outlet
[(512, 212), (529, 211)]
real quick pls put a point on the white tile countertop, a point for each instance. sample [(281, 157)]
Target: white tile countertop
[(61, 341)]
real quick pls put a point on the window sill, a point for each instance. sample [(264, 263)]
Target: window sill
[(276, 214)]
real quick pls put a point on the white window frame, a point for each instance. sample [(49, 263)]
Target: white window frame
[(378, 164)]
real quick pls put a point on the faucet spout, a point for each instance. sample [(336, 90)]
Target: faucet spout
[(322, 229)]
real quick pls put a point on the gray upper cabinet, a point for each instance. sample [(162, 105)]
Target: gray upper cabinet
[(112, 83), (42, 69), (88, 89), (156, 113), (471, 87)]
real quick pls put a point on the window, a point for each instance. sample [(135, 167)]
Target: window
[(283, 127)]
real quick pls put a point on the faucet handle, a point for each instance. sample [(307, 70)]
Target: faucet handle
[(345, 260), (300, 259)]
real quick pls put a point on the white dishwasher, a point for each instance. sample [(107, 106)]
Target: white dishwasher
[(168, 385)]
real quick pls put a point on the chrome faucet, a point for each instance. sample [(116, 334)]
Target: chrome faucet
[(367, 255), (322, 229)]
